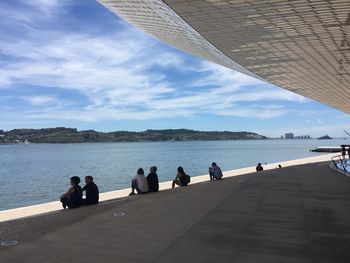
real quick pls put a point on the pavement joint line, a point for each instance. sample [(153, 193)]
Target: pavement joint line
[(122, 194)]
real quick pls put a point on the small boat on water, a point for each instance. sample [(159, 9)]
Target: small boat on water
[(26, 143), (327, 149)]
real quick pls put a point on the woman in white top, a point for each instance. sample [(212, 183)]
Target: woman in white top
[(139, 183)]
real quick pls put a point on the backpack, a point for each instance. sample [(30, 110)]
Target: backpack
[(188, 178)]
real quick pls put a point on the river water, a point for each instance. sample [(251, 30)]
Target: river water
[(39, 173)]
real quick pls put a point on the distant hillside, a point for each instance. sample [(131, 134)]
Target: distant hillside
[(70, 135)]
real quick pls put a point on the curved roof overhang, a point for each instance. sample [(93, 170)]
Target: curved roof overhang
[(301, 46)]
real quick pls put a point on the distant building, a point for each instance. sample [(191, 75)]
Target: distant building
[(289, 135), (302, 137)]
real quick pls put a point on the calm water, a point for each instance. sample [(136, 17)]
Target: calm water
[(40, 172)]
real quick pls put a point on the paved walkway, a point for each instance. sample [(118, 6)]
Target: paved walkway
[(293, 214), (34, 210)]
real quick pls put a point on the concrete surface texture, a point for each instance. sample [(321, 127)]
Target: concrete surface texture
[(33, 210), (294, 214)]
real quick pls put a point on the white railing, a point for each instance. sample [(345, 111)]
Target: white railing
[(341, 162)]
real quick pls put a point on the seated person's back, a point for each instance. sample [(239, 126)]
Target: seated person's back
[(181, 179), (152, 179), (92, 193), (72, 198), (259, 167), (139, 183), (215, 172)]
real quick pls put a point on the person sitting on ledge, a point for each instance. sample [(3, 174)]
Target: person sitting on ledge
[(181, 179), (152, 180), (259, 167), (215, 172), (72, 198), (139, 183), (91, 189)]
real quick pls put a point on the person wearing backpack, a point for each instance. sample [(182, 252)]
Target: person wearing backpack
[(181, 179)]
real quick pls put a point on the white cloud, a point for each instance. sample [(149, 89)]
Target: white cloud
[(4, 80), (124, 76), (39, 100), (254, 112), (49, 7), (227, 81)]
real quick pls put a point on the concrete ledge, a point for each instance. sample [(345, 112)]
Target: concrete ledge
[(40, 209)]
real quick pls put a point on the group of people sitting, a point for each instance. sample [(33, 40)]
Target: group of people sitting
[(140, 184), (73, 198), (259, 167)]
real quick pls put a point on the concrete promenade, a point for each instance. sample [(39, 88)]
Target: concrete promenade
[(34, 210), (294, 214)]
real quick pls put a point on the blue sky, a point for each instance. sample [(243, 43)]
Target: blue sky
[(75, 64)]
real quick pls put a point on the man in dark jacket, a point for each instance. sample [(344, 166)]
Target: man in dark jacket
[(91, 189), (152, 179), (259, 167)]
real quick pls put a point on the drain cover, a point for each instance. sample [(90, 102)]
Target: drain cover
[(119, 214), (9, 243)]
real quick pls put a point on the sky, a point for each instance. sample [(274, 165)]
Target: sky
[(75, 64)]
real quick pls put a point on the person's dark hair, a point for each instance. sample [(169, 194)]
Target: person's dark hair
[(213, 164), (259, 163), (181, 170), (154, 168), (75, 180), (89, 177), (140, 171)]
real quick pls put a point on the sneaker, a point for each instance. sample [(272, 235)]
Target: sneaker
[(132, 193)]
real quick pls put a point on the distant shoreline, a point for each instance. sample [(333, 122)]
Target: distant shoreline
[(71, 135), (136, 141), (218, 140)]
